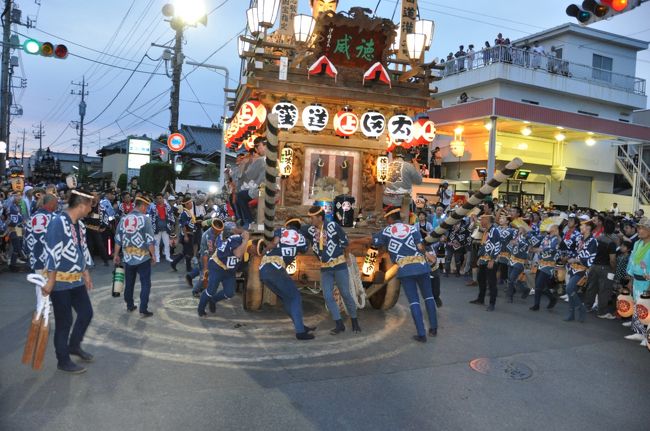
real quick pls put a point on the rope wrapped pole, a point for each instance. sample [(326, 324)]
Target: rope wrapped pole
[(270, 183), (459, 213)]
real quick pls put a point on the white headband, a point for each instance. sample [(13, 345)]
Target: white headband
[(76, 192)]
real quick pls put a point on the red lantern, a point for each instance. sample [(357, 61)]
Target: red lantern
[(346, 123), (424, 132)]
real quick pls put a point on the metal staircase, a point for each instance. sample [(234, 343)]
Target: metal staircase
[(635, 171)]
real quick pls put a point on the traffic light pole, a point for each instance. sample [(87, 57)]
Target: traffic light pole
[(177, 69), (5, 100)]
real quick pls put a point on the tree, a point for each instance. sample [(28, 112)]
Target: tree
[(153, 176), (121, 182)]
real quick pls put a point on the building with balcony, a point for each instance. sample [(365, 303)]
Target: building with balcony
[(563, 100)]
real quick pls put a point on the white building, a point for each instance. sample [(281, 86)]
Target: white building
[(565, 107)]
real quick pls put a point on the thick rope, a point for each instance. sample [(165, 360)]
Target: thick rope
[(270, 183), (356, 285), (477, 198)]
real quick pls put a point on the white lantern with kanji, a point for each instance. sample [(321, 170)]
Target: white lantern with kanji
[(370, 261), (382, 169), (286, 162), (400, 128), (315, 118), (287, 115), (372, 124)]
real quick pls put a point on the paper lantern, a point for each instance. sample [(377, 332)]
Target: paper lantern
[(315, 118), (642, 309), (287, 115), (457, 148), (625, 304), (400, 128), (286, 162), (370, 261), (382, 169), (424, 132), (372, 124), (292, 267), (252, 114), (345, 123)]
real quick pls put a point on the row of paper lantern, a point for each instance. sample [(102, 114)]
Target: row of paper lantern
[(402, 129)]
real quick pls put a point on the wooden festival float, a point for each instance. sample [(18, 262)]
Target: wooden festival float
[(334, 93)]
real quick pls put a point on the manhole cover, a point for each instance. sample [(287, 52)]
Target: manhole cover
[(501, 368), (183, 302)]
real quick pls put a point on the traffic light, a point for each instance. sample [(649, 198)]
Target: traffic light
[(591, 11), (45, 49)]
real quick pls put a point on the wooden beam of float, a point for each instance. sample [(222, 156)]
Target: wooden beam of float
[(459, 213)]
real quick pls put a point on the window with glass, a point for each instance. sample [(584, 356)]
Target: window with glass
[(602, 68)]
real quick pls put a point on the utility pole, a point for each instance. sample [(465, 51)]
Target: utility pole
[(177, 69), (5, 101), (22, 156), (82, 114), (38, 134)]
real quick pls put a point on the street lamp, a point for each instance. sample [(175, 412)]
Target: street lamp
[(190, 12), (303, 26), (415, 45), (425, 27), (267, 12)]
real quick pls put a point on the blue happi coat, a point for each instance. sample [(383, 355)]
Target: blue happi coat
[(569, 244), (518, 248), (548, 252), (187, 222), (401, 241), (210, 242), (506, 234), (134, 235), (67, 249), (490, 246), (334, 241), (156, 221), (34, 244), (225, 253), (291, 243), (587, 249)]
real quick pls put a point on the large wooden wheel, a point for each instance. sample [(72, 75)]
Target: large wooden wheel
[(386, 297), (253, 289)]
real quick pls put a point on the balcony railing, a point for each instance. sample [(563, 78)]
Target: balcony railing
[(549, 64)]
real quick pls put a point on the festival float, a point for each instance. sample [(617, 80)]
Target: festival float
[(335, 93)]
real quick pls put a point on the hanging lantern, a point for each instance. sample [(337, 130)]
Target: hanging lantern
[(424, 131), (415, 43), (287, 115), (370, 261), (253, 22), (382, 169), (286, 162), (315, 118), (303, 26), (425, 27), (457, 148), (625, 304), (372, 124), (292, 267), (642, 309), (400, 128), (252, 115), (345, 123)]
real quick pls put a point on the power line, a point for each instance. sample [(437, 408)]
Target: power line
[(111, 65), (199, 102)]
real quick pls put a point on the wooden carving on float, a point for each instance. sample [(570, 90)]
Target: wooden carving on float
[(353, 39)]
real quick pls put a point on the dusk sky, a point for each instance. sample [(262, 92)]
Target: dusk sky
[(125, 30)]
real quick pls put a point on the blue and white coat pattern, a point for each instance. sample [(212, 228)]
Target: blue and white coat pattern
[(291, 243), (402, 240), (35, 244), (67, 249), (135, 230), (334, 243)]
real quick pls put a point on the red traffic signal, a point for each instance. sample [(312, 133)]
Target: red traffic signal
[(61, 51)]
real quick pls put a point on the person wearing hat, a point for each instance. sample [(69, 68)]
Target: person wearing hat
[(638, 268), (287, 243), (224, 261), (578, 267), (547, 251), (518, 256), (68, 280), (134, 237), (162, 221), (406, 249), (187, 226), (488, 251), (211, 240), (330, 244)]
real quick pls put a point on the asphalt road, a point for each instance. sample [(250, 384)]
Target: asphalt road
[(244, 371)]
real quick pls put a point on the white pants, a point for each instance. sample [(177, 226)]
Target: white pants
[(165, 239)]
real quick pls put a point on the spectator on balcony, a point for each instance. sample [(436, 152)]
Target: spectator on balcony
[(507, 51), (487, 50), (538, 53), (554, 61), (450, 64), (436, 163), (614, 210), (470, 56), (525, 55), (460, 58)]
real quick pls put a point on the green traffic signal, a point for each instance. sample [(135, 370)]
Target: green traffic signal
[(32, 46)]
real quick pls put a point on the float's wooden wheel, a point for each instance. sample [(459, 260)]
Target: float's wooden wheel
[(253, 289), (386, 297)]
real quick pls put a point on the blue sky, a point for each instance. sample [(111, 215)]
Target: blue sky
[(93, 23)]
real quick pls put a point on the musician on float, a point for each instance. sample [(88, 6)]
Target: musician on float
[(134, 237), (287, 243), (68, 280), (488, 252), (406, 249), (330, 244), (223, 264)]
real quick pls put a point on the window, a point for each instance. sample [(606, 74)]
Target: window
[(602, 68)]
